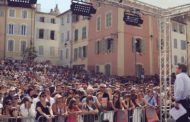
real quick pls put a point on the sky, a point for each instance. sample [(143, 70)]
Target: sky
[(64, 5)]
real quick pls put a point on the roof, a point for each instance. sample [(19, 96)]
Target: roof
[(64, 12)]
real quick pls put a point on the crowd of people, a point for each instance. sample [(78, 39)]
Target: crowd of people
[(43, 91)]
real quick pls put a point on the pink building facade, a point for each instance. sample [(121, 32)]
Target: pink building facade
[(110, 47)]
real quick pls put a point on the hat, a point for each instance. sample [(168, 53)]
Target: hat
[(12, 89), (15, 95), (89, 88), (57, 96), (103, 85)]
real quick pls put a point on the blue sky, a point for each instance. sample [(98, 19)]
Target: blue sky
[(46, 5), (64, 5)]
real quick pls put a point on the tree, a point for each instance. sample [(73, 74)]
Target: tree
[(30, 54)]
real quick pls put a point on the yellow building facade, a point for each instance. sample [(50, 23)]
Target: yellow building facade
[(2, 29), (80, 27), (19, 30)]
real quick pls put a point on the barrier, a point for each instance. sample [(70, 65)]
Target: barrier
[(136, 115)]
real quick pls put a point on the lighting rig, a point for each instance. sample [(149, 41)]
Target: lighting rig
[(21, 3), (82, 8)]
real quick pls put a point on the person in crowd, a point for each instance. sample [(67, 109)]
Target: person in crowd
[(49, 99), (90, 92), (73, 111), (27, 110), (150, 99), (90, 109), (59, 107), (44, 110)]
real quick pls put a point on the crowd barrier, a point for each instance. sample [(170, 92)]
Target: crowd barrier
[(136, 115)]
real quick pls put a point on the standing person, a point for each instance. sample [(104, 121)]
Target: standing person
[(44, 110), (182, 90)]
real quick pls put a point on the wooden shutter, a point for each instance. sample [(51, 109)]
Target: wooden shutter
[(143, 46), (133, 44)]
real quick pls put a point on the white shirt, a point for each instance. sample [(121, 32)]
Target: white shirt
[(29, 114), (182, 86)]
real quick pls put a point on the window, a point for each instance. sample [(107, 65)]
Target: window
[(68, 35), (174, 27), (175, 43), (52, 35), (84, 33), (108, 69), (23, 46), (108, 20), (1, 13), (68, 18), (23, 30), (24, 14), (97, 47), (138, 45), (52, 20), (182, 60), (175, 60), (11, 29), (76, 34), (183, 45), (42, 19), (109, 45), (75, 54), (62, 20), (84, 51), (98, 24), (41, 50), (139, 70), (75, 18), (41, 34), (62, 37), (52, 51), (10, 45), (12, 13), (181, 29)]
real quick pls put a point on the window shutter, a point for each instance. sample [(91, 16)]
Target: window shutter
[(143, 46), (37, 33), (55, 35), (28, 30), (113, 45), (19, 29), (86, 51), (7, 28), (46, 34), (96, 47), (15, 29), (133, 44), (104, 46)]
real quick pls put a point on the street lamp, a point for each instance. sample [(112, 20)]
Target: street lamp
[(66, 44)]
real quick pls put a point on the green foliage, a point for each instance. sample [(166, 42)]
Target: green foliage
[(30, 54)]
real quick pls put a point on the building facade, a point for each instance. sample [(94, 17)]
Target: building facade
[(65, 38), (111, 44), (178, 44), (2, 28), (47, 36), (19, 27), (80, 27)]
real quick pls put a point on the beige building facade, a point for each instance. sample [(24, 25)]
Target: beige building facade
[(17, 30), (47, 36), (178, 44)]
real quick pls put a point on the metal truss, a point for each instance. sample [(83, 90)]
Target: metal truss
[(164, 19)]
